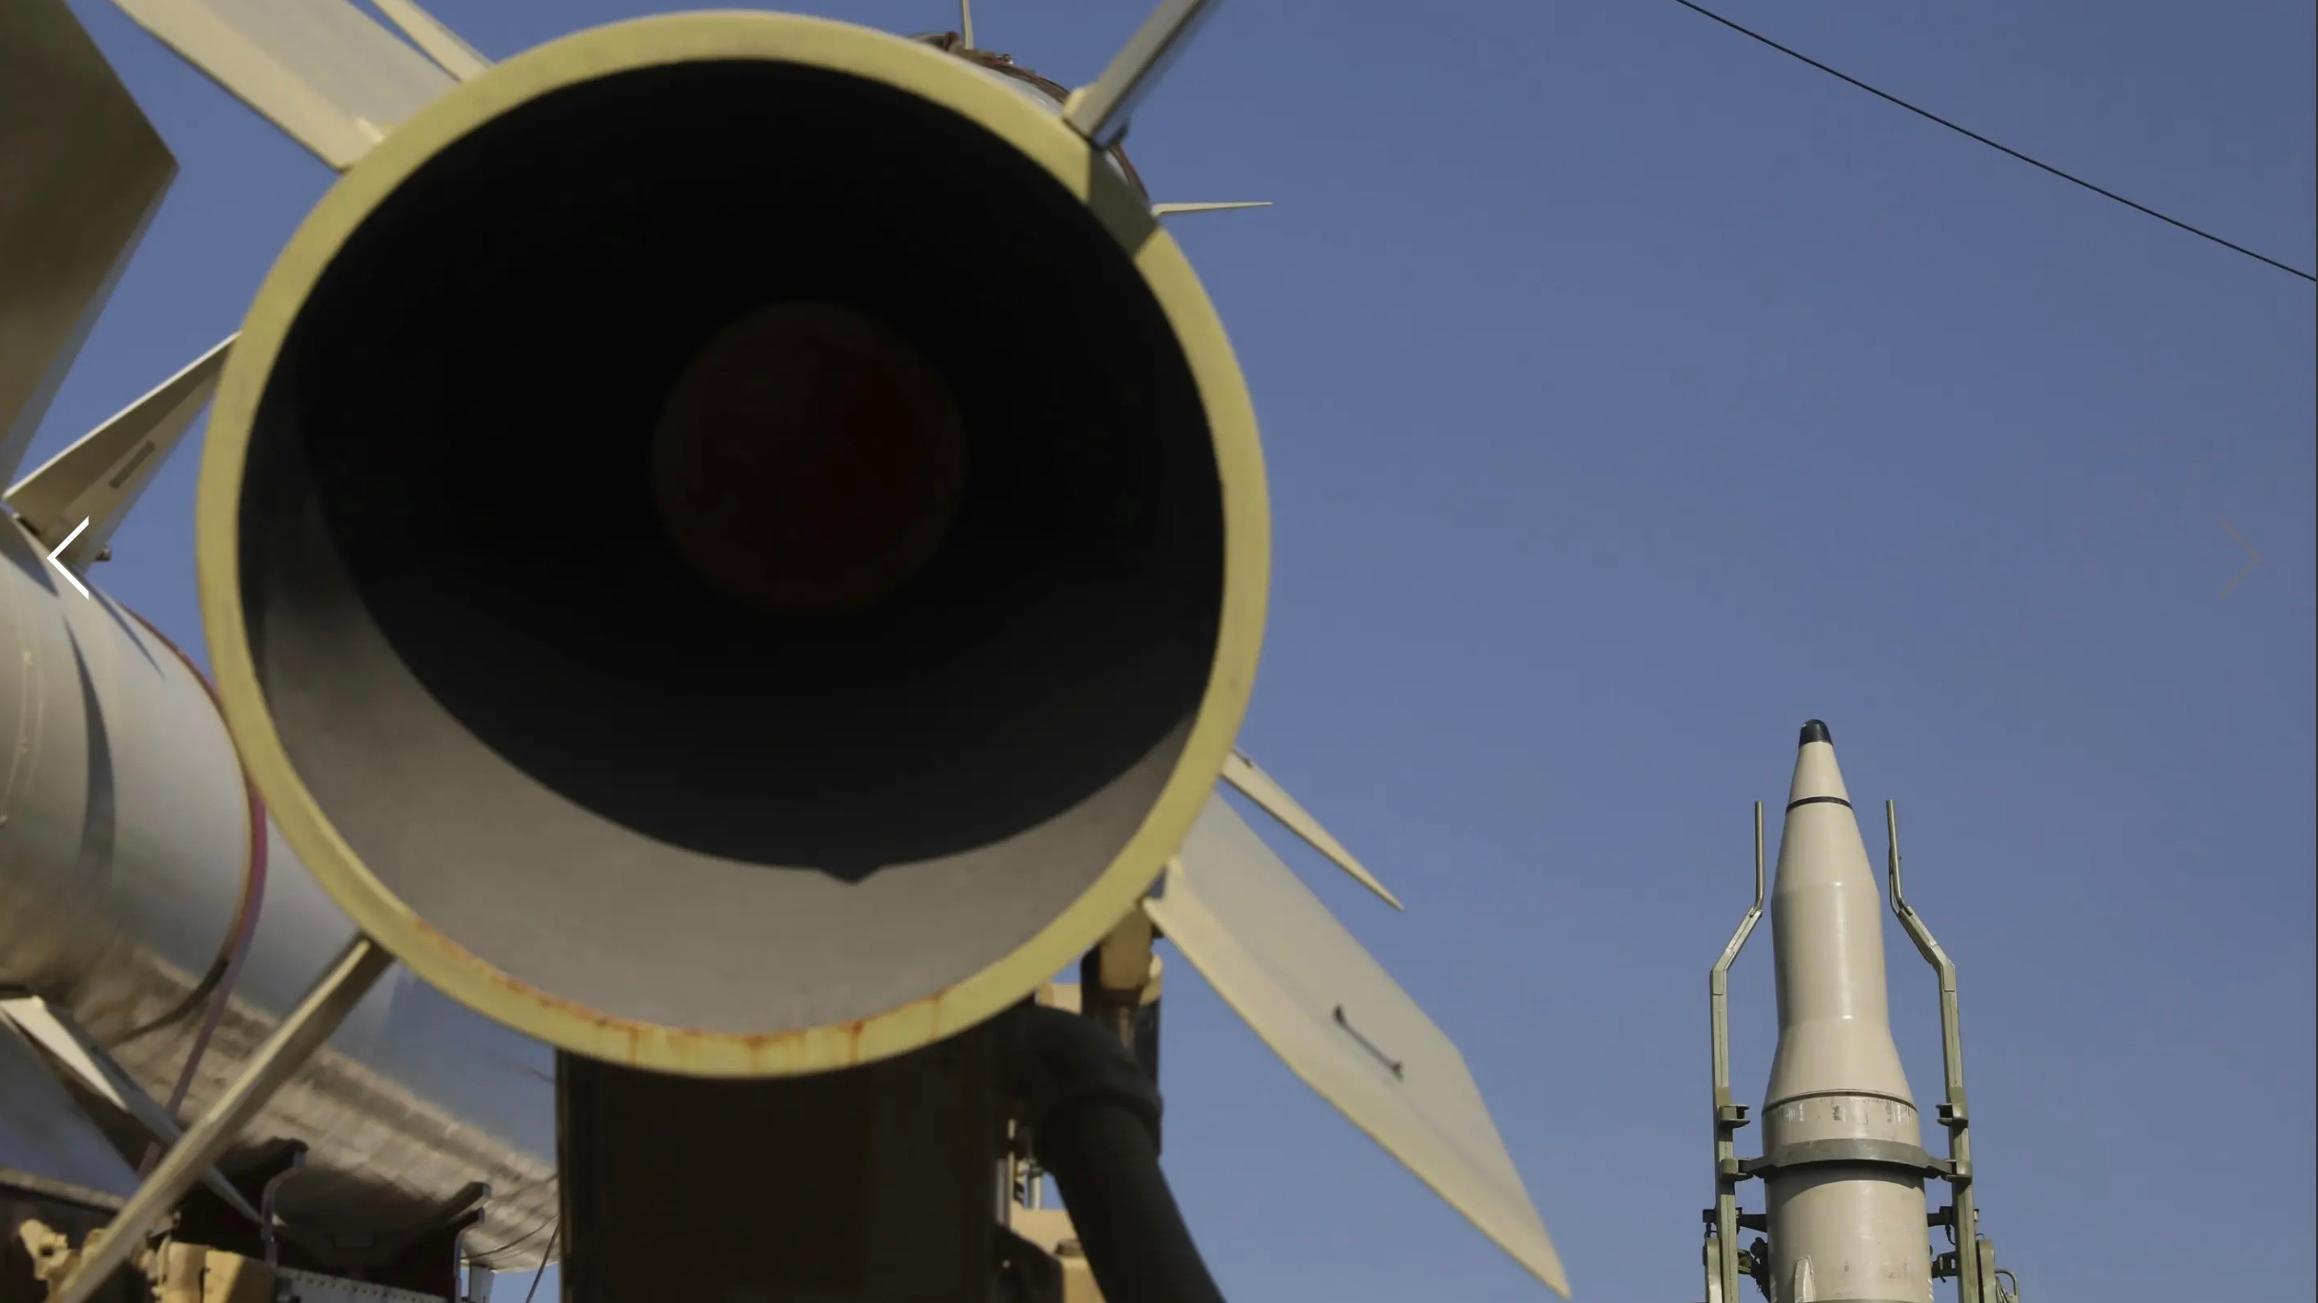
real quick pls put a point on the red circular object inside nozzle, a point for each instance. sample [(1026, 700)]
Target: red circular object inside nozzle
[(808, 460)]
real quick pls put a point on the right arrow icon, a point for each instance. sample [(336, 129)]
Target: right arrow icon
[(2257, 558)]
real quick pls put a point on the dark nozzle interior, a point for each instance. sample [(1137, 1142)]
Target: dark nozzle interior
[(547, 726)]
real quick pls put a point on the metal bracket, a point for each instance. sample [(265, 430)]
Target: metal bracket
[(1954, 1112), (1710, 1254), (1724, 1269), (1027, 1273)]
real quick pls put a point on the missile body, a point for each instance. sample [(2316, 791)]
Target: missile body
[(1841, 1139), (126, 858)]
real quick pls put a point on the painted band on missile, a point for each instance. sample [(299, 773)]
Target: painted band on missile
[(1842, 1146)]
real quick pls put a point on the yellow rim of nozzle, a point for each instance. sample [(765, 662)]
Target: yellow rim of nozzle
[(913, 69)]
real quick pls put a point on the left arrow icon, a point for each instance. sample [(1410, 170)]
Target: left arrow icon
[(69, 576)]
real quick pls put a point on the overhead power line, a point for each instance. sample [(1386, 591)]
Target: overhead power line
[(1752, 35)]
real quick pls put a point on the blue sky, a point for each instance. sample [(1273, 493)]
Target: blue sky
[(1631, 394)]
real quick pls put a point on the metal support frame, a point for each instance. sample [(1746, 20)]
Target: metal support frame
[(303, 1031), (78, 1054), (1974, 1258), (1722, 1253)]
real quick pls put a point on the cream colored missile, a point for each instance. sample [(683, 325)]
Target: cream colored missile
[(1843, 1161)]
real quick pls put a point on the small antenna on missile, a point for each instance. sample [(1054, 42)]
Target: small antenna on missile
[(1100, 111), (966, 23), (1170, 210)]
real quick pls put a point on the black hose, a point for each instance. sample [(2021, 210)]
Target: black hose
[(1094, 1125)]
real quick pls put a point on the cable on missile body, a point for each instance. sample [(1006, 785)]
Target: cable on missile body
[(1927, 114), (541, 1274), (216, 985), (518, 1242)]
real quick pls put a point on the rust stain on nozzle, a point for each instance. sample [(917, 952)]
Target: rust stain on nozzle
[(699, 1051)]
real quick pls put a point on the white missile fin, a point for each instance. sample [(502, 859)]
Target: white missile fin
[(82, 172), (56, 1033), (452, 54), (103, 473), (1261, 788), (1289, 969), (1170, 210), (328, 75), (1100, 111), (44, 1134), (54, 1030)]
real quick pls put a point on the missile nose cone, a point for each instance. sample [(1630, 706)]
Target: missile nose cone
[(1817, 777), (1827, 944), (1840, 1226)]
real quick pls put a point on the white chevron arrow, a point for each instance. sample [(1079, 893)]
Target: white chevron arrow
[(69, 576)]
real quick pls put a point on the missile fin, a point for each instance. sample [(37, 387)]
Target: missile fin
[(1171, 210), (104, 472), (54, 1030), (1290, 970), (329, 76), (441, 44), (1261, 788), (84, 172), (1100, 110), (45, 1135)]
